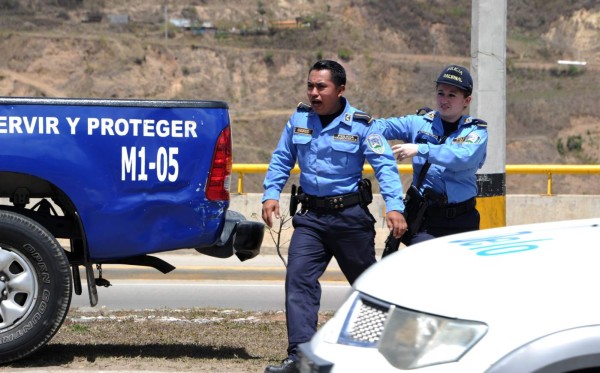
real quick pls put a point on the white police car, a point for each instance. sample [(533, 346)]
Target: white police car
[(513, 299)]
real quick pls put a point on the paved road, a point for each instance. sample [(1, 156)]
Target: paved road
[(202, 281), (248, 296)]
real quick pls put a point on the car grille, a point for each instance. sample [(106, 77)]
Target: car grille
[(365, 323)]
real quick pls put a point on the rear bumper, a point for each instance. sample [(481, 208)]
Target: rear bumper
[(239, 236)]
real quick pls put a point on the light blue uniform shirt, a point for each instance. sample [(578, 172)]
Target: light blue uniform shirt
[(331, 159), (454, 163)]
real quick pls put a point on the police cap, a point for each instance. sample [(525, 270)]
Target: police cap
[(457, 76)]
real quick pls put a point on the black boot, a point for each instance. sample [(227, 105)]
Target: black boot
[(287, 366)]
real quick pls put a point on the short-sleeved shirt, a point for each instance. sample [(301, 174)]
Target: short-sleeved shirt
[(331, 159)]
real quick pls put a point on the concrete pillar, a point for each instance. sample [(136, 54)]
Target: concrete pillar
[(488, 67)]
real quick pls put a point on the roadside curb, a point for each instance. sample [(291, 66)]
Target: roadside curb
[(199, 267)]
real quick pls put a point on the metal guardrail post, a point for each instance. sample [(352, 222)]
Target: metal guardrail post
[(240, 188)]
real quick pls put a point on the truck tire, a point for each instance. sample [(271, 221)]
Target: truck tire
[(35, 286)]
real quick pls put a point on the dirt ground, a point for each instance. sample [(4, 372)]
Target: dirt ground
[(551, 118), (189, 340)]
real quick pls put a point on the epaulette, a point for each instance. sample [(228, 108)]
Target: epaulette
[(428, 113), (303, 107), (363, 117), (475, 121), (424, 110)]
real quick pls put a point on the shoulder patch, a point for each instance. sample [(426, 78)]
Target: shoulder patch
[(375, 143), (472, 138), (424, 110), (363, 117), (303, 107)]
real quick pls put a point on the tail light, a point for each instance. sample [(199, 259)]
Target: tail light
[(219, 177)]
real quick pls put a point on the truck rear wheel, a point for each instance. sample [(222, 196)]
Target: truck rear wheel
[(35, 286)]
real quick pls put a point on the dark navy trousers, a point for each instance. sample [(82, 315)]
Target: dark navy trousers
[(438, 226), (349, 236)]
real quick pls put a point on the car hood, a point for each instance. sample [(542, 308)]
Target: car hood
[(525, 272)]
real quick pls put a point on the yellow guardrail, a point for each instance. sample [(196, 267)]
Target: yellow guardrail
[(549, 169), (553, 169)]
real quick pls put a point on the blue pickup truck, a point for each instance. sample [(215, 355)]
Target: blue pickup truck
[(117, 180)]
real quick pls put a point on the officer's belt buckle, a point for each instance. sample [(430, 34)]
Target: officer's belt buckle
[(335, 202)]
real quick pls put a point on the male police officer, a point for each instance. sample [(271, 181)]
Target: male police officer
[(330, 140), (453, 146)]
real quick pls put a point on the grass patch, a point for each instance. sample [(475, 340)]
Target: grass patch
[(214, 340)]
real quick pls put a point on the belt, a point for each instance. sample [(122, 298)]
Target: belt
[(330, 203), (451, 210)]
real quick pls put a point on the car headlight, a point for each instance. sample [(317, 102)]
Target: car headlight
[(408, 339)]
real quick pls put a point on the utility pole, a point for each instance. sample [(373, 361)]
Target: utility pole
[(488, 64)]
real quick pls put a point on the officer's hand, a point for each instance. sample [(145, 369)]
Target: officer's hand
[(403, 151), (396, 223), (270, 206)]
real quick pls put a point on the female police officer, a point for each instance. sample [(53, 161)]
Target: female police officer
[(453, 146), (330, 140)]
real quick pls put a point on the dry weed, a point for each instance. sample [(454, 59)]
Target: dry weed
[(205, 340)]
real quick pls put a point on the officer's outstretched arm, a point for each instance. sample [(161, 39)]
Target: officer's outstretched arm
[(470, 153), (270, 206), (396, 128)]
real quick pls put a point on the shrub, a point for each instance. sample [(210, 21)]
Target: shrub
[(9, 4), (344, 54), (569, 71), (560, 147), (574, 143), (268, 59)]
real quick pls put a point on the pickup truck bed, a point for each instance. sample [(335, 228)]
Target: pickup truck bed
[(119, 179)]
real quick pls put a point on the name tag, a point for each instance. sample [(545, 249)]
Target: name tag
[(302, 131), (347, 138)]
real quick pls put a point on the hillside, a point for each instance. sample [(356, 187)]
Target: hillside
[(392, 51)]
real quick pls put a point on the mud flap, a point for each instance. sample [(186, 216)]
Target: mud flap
[(91, 283), (248, 238), (239, 236)]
